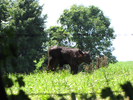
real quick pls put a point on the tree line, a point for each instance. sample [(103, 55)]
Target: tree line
[(86, 28)]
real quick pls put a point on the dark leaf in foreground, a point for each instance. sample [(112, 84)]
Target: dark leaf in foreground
[(107, 92), (7, 81), (50, 98), (20, 81), (128, 89), (73, 96)]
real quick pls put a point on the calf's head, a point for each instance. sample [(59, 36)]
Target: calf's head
[(86, 57)]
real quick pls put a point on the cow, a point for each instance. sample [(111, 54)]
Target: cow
[(63, 55)]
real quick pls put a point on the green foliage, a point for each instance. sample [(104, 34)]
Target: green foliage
[(63, 85), (127, 88), (8, 53), (20, 96), (40, 63), (28, 25), (3, 11), (89, 28), (58, 36)]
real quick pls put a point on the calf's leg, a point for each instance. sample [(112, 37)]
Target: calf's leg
[(52, 64), (73, 69)]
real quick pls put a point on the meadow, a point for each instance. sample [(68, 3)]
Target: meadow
[(62, 85)]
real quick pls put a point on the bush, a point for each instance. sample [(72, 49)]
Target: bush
[(97, 64)]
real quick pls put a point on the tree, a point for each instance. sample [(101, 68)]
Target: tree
[(58, 36), (8, 51), (3, 14), (29, 26), (3, 17), (90, 29)]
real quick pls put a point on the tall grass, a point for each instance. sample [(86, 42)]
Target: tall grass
[(42, 85)]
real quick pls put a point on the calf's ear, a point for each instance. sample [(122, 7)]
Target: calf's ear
[(81, 52)]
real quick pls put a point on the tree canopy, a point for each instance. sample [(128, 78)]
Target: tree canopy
[(28, 24), (58, 36), (90, 30)]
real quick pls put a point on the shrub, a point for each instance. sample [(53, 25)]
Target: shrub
[(97, 64)]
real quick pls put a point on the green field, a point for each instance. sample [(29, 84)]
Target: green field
[(41, 86)]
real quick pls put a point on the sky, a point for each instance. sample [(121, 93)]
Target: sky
[(120, 13)]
